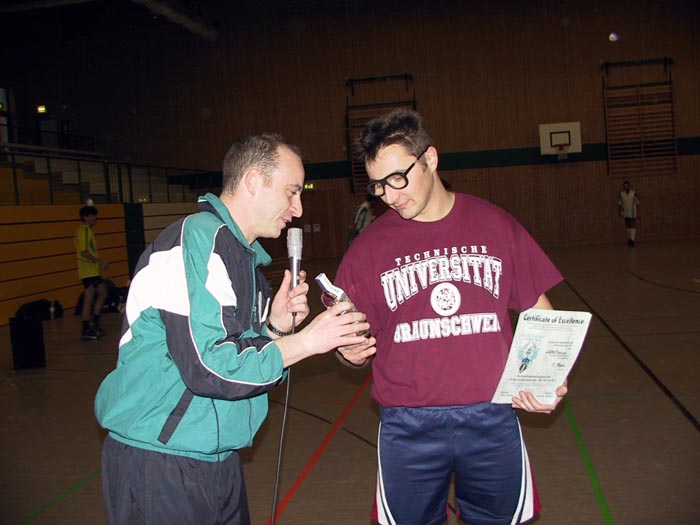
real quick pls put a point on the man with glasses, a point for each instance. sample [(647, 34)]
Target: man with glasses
[(436, 280)]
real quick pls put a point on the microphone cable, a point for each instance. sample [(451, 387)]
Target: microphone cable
[(284, 424), (294, 249)]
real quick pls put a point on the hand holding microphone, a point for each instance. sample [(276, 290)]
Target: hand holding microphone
[(290, 305), (326, 331)]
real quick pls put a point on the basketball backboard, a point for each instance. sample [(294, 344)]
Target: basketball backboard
[(559, 137)]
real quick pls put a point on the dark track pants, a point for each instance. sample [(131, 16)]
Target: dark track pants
[(142, 487)]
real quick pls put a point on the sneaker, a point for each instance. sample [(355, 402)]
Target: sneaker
[(96, 325), (90, 334)]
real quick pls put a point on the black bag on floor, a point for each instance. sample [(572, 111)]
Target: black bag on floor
[(43, 309), (40, 309)]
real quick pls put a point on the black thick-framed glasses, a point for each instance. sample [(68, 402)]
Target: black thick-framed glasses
[(397, 180)]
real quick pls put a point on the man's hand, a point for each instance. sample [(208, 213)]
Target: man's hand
[(358, 355), (529, 402), (327, 331), (526, 400), (287, 302)]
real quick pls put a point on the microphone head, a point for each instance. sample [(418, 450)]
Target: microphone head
[(295, 241)]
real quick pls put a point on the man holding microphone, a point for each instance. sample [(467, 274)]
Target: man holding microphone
[(202, 343)]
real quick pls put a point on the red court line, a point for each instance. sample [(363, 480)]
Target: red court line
[(339, 404), (319, 451)]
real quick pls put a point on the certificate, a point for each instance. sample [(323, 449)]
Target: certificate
[(545, 346)]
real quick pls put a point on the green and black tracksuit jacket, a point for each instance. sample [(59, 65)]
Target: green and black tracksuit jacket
[(195, 362)]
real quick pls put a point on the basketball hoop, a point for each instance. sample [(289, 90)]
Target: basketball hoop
[(562, 151)]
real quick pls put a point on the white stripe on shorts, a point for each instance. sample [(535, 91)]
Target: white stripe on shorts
[(384, 516), (526, 504)]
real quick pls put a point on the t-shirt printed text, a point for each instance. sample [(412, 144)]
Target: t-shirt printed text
[(443, 267)]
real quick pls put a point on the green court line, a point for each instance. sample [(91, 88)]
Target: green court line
[(59, 498), (595, 484)]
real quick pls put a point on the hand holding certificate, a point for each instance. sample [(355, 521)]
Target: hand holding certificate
[(545, 346)]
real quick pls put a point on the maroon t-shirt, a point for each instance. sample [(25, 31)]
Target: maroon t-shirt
[(437, 296)]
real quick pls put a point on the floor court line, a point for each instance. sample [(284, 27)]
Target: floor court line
[(320, 450), (60, 498), (329, 422), (592, 477), (285, 500), (680, 406), (661, 285)]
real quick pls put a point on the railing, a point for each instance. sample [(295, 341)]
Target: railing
[(45, 138), (39, 175)]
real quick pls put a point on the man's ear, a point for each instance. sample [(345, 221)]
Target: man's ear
[(431, 158), (252, 180)]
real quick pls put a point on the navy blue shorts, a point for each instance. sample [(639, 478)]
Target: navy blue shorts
[(420, 449)]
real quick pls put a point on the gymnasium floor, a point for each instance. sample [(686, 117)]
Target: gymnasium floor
[(624, 448)]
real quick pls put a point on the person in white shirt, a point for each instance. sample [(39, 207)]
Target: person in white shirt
[(628, 204)]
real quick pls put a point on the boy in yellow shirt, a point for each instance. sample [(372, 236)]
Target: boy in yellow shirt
[(89, 267)]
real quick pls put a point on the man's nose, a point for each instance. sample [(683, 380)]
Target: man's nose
[(297, 208), (390, 194)]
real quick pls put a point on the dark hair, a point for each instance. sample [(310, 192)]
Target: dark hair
[(87, 210), (261, 151), (400, 126)]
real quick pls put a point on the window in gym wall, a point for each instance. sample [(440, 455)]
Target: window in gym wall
[(366, 99), (639, 118)]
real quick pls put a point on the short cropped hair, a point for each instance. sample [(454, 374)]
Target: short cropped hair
[(87, 210), (261, 151), (400, 126)]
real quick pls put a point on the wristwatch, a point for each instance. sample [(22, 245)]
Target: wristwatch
[(276, 331)]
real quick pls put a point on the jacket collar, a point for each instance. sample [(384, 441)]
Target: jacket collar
[(212, 204)]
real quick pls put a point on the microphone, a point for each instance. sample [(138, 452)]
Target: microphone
[(295, 241)]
